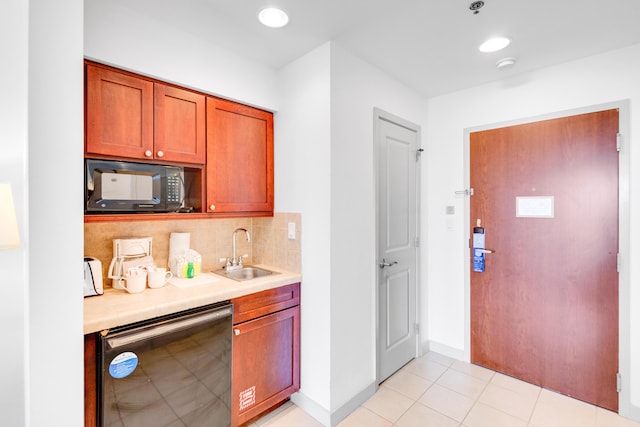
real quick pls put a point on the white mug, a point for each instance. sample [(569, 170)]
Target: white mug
[(135, 280), (158, 277)]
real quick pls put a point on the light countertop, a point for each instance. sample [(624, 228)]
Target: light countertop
[(118, 307)]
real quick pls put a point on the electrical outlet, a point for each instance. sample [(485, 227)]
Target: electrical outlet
[(291, 231)]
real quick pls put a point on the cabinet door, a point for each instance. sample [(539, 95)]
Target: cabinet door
[(90, 381), (239, 158), (119, 114), (179, 125), (266, 363)]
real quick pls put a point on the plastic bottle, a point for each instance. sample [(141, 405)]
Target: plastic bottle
[(190, 270)]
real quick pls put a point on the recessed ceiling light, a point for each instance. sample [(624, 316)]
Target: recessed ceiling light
[(273, 17), (494, 44)]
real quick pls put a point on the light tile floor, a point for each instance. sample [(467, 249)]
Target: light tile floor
[(437, 391)]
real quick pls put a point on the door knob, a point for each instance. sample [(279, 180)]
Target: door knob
[(384, 263)]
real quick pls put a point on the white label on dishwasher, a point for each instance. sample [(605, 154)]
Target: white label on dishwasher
[(123, 365), (247, 398)]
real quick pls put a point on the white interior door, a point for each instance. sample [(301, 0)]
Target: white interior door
[(397, 146)]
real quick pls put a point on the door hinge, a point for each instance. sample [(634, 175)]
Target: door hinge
[(416, 241), (419, 152), (618, 141), (618, 382), (618, 261), (416, 327)]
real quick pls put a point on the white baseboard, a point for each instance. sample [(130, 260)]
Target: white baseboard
[(354, 403), (445, 350), (332, 419), (311, 407)]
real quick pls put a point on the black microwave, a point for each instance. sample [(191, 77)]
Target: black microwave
[(128, 187)]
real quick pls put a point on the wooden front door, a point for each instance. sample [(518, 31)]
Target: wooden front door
[(545, 309)]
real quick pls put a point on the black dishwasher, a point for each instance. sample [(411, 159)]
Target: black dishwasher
[(171, 371)]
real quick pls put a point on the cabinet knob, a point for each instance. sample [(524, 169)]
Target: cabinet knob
[(160, 154), (236, 331), (148, 153), (212, 207)]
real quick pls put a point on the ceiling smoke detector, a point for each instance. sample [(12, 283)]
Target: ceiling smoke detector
[(476, 6), (505, 63)]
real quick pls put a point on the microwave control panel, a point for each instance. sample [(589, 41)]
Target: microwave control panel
[(174, 187)]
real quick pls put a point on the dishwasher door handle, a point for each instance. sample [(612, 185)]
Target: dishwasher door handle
[(171, 326)]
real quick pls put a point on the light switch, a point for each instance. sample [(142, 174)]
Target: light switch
[(291, 231)]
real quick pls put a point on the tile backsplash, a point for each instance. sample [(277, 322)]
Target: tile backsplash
[(210, 237)]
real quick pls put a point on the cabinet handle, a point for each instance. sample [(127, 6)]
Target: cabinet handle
[(212, 207), (160, 154), (236, 331), (148, 153)]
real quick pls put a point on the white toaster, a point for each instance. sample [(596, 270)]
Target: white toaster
[(92, 277)]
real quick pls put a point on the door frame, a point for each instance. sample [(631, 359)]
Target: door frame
[(625, 407), (379, 114)]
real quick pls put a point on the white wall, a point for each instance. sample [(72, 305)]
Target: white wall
[(325, 169), (302, 184), (596, 80), (128, 38), (40, 138), (55, 192), (356, 89), (40, 122), (13, 263)]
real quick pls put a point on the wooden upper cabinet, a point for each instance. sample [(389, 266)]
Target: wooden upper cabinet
[(119, 113), (179, 125), (239, 158), (132, 117)]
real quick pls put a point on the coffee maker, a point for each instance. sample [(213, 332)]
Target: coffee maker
[(129, 253)]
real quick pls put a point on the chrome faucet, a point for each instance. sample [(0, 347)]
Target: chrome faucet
[(236, 262)]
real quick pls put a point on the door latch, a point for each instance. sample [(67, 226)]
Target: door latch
[(465, 192)]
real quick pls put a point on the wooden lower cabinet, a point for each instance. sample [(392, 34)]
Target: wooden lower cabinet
[(266, 355), (266, 351), (90, 380)]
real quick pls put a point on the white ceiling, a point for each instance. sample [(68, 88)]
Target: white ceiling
[(429, 45)]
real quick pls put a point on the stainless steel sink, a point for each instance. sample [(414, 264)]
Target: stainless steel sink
[(244, 273)]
